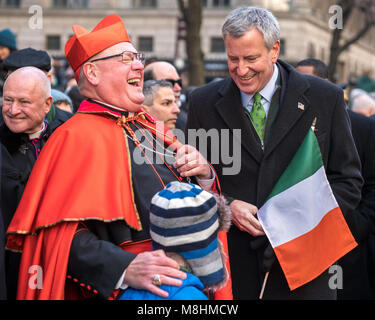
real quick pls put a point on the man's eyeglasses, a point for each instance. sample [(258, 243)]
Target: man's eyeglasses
[(173, 82), (127, 57)]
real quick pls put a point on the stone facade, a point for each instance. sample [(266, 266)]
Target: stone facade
[(304, 30)]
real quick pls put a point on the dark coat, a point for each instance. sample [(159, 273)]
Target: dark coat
[(18, 157), (218, 105), (182, 117), (356, 265)]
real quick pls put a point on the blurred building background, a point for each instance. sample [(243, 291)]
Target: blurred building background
[(157, 30)]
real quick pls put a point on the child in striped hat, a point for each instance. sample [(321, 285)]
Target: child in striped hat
[(184, 222)]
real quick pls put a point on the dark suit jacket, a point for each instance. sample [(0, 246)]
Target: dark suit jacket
[(218, 105), (356, 265)]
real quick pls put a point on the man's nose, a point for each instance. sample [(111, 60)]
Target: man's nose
[(14, 108), (137, 64), (242, 69), (177, 88), (176, 109)]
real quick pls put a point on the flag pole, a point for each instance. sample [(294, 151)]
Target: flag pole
[(264, 285)]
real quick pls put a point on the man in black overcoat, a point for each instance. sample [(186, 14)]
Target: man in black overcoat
[(293, 103)]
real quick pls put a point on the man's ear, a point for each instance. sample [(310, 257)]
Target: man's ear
[(275, 50), (49, 76), (91, 73), (47, 104)]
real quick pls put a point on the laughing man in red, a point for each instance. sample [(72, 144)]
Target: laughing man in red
[(83, 220)]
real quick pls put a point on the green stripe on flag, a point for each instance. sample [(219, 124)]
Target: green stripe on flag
[(304, 164)]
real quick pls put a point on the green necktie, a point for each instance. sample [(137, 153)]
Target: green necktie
[(258, 115)]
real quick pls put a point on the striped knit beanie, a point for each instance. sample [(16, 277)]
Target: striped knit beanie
[(184, 219)]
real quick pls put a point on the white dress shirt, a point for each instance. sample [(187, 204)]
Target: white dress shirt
[(266, 93)]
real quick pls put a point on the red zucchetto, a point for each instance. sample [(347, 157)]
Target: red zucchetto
[(84, 44)]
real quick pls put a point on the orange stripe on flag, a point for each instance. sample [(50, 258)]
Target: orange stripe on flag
[(306, 257)]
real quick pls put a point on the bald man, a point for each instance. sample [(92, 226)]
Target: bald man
[(26, 101), (40, 59), (162, 70)]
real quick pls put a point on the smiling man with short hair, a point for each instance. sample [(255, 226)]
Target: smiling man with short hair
[(26, 102), (274, 106)]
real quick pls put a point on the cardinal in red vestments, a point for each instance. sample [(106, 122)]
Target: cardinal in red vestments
[(83, 222)]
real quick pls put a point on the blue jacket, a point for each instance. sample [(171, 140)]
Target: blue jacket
[(191, 289)]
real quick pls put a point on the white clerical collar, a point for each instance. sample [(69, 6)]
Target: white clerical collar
[(113, 107), (37, 134)]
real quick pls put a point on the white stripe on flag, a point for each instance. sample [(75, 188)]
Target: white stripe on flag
[(298, 209)]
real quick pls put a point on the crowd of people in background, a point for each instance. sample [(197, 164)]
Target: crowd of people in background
[(359, 91), (22, 70)]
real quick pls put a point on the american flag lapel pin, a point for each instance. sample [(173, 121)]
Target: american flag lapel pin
[(314, 124)]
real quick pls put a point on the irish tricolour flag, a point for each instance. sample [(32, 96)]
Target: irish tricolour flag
[(302, 219)]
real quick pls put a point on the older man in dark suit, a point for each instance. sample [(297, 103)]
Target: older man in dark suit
[(290, 102)]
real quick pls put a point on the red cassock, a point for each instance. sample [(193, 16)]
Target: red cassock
[(83, 173)]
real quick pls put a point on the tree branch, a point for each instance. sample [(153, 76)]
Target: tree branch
[(183, 10), (355, 38)]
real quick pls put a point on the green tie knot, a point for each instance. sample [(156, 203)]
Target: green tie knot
[(258, 115), (257, 97)]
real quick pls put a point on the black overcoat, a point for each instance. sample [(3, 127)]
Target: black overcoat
[(218, 105), (358, 265)]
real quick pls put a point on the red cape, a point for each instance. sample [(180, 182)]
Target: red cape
[(81, 155)]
